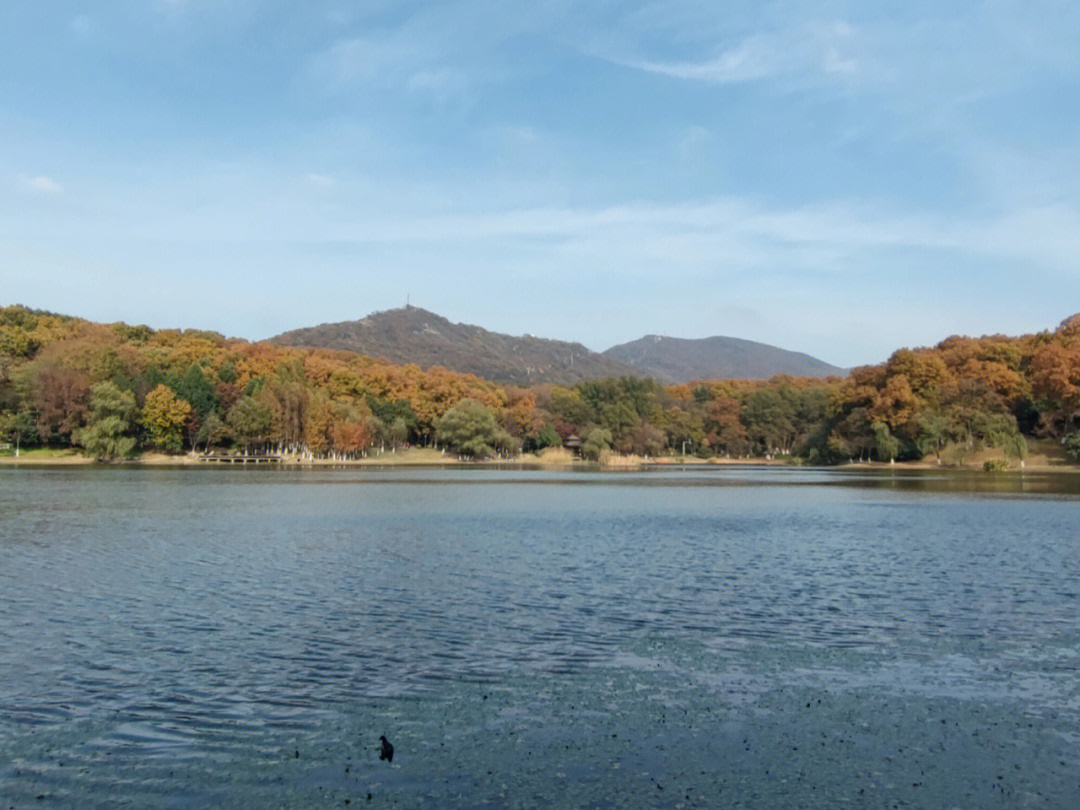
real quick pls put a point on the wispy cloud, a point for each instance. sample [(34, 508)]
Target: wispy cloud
[(754, 58), (836, 238), (40, 185), (443, 48), (744, 61), (842, 239), (808, 48), (387, 60)]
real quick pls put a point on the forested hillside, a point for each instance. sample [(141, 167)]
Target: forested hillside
[(115, 389), (674, 360), (414, 335)]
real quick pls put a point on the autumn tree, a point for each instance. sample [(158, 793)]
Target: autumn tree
[(896, 405), (349, 437), (227, 394), (522, 417), (726, 432), (17, 338), (998, 377), (286, 398), (61, 398), (1055, 377), (320, 419), (644, 440), (164, 415), (922, 370)]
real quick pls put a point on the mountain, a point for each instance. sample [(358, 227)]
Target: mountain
[(674, 360), (414, 335)]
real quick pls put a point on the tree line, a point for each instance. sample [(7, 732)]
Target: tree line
[(113, 389)]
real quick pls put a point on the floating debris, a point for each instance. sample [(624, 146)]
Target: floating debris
[(387, 750)]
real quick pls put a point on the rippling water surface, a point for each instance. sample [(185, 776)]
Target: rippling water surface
[(696, 638)]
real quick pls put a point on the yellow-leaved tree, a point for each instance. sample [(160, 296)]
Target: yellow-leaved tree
[(164, 413)]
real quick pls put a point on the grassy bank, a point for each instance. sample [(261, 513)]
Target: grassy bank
[(44, 455)]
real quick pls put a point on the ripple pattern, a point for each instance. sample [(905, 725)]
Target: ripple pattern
[(184, 638)]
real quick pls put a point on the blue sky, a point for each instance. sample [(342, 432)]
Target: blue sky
[(840, 178)]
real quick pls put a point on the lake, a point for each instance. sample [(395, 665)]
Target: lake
[(699, 637)]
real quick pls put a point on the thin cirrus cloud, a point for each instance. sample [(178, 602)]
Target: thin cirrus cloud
[(826, 237), (692, 232), (812, 48), (385, 61), (754, 58), (730, 228)]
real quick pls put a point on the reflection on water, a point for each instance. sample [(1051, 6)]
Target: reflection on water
[(704, 637)]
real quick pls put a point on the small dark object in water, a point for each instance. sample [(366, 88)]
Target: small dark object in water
[(296, 754), (387, 750)]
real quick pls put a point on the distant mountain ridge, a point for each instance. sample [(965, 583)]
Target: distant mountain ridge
[(675, 360), (414, 335)]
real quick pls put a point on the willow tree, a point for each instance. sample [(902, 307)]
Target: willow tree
[(470, 429), (111, 426)]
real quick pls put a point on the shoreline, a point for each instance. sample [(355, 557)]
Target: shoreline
[(74, 459), (422, 457)]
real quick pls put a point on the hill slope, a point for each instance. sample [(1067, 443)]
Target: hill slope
[(674, 360), (414, 335)]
